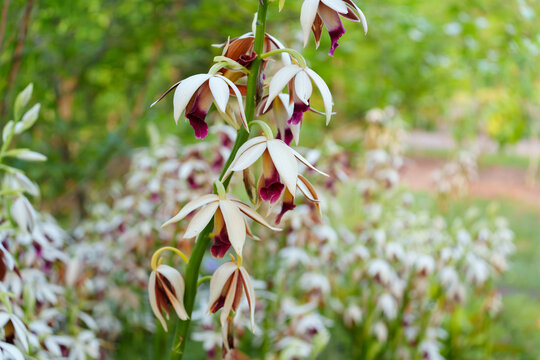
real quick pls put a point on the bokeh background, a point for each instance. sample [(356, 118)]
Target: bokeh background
[(463, 75)]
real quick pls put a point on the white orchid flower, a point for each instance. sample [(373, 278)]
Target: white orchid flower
[(280, 111), (230, 224), (316, 13), (166, 290), (280, 167), (14, 327), (195, 95), (227, 286), (299, 79)]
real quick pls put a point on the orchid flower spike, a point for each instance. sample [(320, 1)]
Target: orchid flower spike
[(299, 81), (227, 287), (315, 13), (280, 165), (230, 224), (166, 290), (195, 95)]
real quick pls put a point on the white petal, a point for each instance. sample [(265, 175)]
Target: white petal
[(200, 220), (285, 163), (218, 281), (12, 351), (304, 161), (250, 294), (220, 92), (20, 331), (325, 93), (234, 222), (184, 92), (177, 282), (360, 14), (248, 157), (307, 17), (295, 129), (238, 95), (153, 300), (191, 206), (336, 5), (229, 299), (303, 87), (279, 81), (248, 144), (254, 215)]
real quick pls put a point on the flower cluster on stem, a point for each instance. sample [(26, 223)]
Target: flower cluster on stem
[(242, 70)]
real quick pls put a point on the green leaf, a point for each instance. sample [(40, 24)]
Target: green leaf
[(22, 99)]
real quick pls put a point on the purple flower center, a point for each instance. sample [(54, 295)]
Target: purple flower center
[(298, 112), (196, 120), (221, 244), (272, 189), (284, 208), (288, 136), (335, 34)]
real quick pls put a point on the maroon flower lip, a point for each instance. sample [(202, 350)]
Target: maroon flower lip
[(221, 244), (196, 120), (272, 189), (284, 208), (298, 113), (335, 34)]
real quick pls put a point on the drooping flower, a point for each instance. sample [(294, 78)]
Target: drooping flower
[(166, 290), (195, 95), (316, 13), (280, 112), (230, 224), (227, 287), (280, 166), (299, 80)]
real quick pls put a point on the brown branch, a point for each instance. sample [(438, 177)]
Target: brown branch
[(3, 22), (17, 54)]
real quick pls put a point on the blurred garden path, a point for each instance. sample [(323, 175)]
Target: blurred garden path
[(493, 181)]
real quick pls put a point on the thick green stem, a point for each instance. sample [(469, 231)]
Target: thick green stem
[(192, 272)]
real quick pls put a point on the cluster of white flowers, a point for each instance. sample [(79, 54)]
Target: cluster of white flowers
[(374, 265), (455, 176), (40, 315), (115, 241)]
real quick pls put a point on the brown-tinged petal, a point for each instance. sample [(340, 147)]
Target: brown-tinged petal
[(176, 294), (254, 215), (152, 294), (227, 307), (217, 283), (250, 294)]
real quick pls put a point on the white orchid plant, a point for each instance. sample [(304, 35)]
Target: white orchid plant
[(40, 318), (246, 71)]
